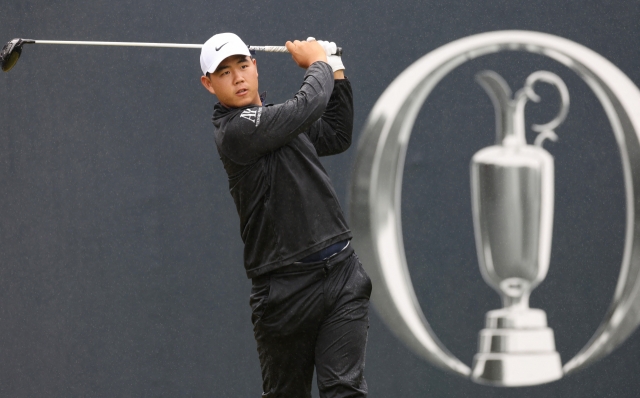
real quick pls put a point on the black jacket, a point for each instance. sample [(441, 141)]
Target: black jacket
[(287, 206)]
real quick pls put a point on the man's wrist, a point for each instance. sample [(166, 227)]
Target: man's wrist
[(319, 60), (338, 75)]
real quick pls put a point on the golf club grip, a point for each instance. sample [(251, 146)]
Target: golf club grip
[(282, 49)]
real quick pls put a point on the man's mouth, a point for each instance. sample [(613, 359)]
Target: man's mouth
[(242, 91)]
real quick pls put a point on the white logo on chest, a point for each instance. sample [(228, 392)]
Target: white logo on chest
[(249, 114)]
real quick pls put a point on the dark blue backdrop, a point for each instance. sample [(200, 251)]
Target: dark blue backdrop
[(121, 260)]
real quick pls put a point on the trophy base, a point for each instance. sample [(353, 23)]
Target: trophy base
[(516, 349), (516, 370)]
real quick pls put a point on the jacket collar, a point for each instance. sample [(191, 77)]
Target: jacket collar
[(220, 111)]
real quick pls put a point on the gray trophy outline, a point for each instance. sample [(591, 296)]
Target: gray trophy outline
[(512, 201), (376, 184)]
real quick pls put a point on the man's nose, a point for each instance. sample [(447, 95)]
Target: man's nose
[(238, 78)]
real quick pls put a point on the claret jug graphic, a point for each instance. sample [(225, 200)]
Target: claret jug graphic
[(512, 198), (512, 202)]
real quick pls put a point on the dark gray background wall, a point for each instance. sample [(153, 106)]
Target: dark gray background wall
[(120, 256)]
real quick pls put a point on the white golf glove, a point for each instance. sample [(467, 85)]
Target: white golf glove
[(330, 48)]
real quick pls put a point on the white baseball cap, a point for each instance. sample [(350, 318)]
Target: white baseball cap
[(219, 47)]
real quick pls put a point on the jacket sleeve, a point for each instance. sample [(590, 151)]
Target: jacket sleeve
[(331, 134), (255, 131)]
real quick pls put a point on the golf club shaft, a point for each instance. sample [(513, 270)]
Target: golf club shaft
[(270, 49), (119, 43)]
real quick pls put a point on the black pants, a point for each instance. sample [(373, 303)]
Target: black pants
[(313, 314)]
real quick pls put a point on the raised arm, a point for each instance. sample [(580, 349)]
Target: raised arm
[(257, 130), (331, 134), (254, 131)]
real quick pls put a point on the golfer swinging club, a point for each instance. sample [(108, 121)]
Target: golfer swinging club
[(310, 294)]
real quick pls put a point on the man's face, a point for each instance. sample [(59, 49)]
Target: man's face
[(234, 82)]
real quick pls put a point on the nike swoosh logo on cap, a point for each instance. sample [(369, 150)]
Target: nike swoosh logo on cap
[(218, 48)]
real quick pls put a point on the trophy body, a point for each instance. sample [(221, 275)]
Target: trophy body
[(512, 201)]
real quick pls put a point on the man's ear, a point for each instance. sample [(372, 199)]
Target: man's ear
[(255, 62), (207, 84)]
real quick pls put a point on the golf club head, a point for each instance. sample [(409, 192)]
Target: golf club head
[(11, 52)]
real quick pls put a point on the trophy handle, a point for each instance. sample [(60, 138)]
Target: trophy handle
[(547, 130), (510, 113)]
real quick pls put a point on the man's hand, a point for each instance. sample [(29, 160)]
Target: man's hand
[(304, 53), (330, 48), (334, 61)]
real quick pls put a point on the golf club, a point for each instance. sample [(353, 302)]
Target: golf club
[(13, 49)]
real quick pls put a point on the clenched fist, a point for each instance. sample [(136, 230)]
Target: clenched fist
[(304, 53)]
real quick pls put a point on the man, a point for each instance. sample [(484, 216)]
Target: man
[(309, 295)]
